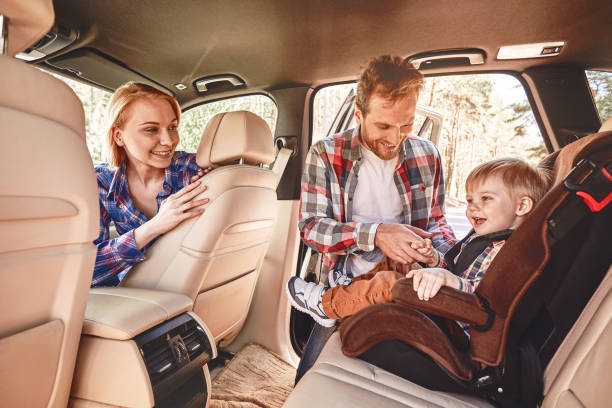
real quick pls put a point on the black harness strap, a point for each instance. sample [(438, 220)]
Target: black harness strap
[(472, 249)]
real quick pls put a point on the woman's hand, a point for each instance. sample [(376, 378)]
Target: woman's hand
[(200, 174), (179, 207), (173, 210), (427, 282)]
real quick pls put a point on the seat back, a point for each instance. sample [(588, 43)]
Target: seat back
[(577, 376), (48, 221), (215, 258)]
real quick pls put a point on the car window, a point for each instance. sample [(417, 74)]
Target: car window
[(601, 87), (195, 119), (485, 116)]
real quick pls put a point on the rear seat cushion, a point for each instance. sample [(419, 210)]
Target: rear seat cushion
[(337, 380)]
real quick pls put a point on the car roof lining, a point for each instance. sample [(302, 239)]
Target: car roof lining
[(273, 44)]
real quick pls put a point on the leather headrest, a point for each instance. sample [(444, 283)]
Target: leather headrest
[(231, 136), (28, 22), (607, 125), (561, 162)]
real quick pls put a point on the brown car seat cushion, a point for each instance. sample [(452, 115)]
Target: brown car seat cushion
[(507, 280), (448, 302), (382, 322), (504, 285)]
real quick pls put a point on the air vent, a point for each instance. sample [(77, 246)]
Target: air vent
[(158, 359), (173, 351)]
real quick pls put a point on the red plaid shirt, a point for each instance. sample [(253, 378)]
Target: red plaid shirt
[(328, 187)]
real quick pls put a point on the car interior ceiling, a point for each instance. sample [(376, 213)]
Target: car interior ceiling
[(181, 42), (290, 50)]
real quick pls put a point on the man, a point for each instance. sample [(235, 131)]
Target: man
[(372, 190)]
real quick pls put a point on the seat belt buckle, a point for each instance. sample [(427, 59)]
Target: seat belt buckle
[(595, 188)]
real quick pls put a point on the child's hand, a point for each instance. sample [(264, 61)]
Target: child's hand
[(427, 282), (427, 250)]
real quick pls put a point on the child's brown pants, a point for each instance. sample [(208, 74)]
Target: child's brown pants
[(365, 290)]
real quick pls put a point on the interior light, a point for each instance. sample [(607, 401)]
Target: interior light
[(180, 87), (537, 50)]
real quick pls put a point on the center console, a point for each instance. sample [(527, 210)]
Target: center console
[(142, 348)]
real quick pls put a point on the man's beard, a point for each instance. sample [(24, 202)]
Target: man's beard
[(376, 147)]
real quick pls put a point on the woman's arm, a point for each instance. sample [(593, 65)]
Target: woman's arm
[(113, 255)]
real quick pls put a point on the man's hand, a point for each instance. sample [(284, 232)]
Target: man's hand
[(396, 241)]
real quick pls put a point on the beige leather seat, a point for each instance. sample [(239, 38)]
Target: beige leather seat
[(48, 220), (336, 380), (576, 377), (215, 258)]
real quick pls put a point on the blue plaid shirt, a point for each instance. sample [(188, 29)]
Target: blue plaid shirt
[(116, 256)]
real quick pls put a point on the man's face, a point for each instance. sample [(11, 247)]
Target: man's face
[(387, 124)]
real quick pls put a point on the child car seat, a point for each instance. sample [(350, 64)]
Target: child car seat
[(530, 297)]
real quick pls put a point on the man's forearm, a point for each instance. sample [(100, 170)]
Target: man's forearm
[(328, 235)]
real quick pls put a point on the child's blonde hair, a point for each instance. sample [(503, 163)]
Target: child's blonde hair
[(117, 108), (518, 176)]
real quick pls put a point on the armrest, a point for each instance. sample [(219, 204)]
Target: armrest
[(122, 313), (448, 302), (388, 321)]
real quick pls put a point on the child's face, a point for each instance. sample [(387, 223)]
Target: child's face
[(491, 208)]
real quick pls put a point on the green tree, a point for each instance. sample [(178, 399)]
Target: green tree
[(194, 120), (601, 86)]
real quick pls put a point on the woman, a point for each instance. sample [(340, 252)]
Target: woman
[(147, 188)]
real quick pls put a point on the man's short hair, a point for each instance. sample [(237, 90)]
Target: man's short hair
[(518, 177), (392, 78)]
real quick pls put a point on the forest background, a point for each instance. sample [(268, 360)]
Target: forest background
[(484, 118)]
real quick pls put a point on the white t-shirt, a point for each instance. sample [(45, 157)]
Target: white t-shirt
[(376, 200)]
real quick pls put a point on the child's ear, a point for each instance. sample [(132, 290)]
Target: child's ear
[(525, 205)]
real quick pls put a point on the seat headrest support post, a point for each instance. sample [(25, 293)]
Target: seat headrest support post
[(3, 34)]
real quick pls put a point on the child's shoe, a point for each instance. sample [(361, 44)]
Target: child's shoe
[(306, 297), (337, 277)]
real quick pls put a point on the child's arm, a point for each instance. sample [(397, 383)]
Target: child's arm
[(428, 281)]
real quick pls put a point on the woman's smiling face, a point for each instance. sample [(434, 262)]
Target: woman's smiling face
[(150, 133)]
